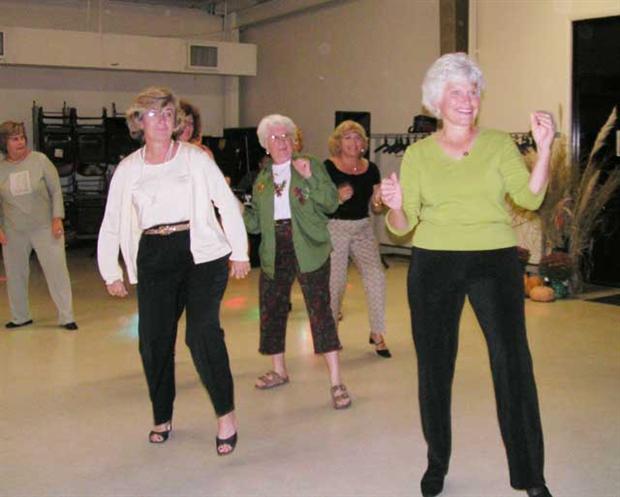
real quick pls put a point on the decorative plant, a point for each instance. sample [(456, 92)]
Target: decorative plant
[(556, 266)]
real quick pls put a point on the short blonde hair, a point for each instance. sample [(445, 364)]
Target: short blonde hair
[(152, 97), (268, 122), (8, 129), (333, 143), (449, 67)]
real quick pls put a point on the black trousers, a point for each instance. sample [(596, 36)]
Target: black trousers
[(168, 283), (438, 282)]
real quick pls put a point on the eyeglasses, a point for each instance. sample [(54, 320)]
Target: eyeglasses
[(284, 137), (167, 113)]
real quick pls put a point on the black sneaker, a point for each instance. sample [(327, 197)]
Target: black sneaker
[(72, 326)]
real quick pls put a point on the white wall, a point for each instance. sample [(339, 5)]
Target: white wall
[(90, 90), (362, 55), (525, 50)]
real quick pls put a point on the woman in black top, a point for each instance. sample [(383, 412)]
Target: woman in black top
[(351, 228)]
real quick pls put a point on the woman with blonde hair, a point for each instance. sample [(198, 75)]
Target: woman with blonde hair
[(351, 229), (160, 215)]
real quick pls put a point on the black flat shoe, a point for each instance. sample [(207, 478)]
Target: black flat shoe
[(72, 326), (538, 492), (11, 324), (159, 437), (220, 442), (384, 352), (432, 483)]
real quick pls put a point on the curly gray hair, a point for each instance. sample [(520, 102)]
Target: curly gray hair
[(449, 67), (268, 122)]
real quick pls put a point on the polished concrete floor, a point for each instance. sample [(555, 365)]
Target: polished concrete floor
[(74, 410)]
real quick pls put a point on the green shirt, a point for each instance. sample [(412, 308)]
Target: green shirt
[(311, 201), (459, 204)]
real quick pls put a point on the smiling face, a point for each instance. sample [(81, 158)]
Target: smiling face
[(280, 144), (460, 103), (351, 144), (16, 147), (158, 124)]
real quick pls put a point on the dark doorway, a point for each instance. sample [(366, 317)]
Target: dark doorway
[(596, 90)]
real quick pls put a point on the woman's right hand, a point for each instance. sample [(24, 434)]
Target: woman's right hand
[(391, 192), (345, 192), (117, 289), (3, 239)]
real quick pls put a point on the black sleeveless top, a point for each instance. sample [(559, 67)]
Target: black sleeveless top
[(357, 206)]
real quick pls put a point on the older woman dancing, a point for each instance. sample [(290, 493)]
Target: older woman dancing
[(291, 198), (160, 213), (453, 189), (351, 231), (31, 214)]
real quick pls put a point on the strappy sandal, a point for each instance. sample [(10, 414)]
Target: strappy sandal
[(340, 397), (271, 379), (380, 347), (163, 435), (221, 442)]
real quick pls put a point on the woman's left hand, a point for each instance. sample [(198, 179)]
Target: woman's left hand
[(543, 129), (303, 167), (239, 269), (57, 227)]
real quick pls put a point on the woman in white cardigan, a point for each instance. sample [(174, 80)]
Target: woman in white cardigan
[(160, 215)]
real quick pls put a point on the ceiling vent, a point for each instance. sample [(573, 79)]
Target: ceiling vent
[(204, 57)]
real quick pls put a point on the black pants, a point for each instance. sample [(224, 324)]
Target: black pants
[(168, 283), (438, 282)]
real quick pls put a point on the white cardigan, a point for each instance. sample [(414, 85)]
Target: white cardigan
[(208, 242)]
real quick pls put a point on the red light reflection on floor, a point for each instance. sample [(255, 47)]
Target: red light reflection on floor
[(236, 303)]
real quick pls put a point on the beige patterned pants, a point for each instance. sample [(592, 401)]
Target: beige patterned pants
[(357, 239)]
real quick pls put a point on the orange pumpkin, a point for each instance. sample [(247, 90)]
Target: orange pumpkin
[(542, 294), (532, 282)]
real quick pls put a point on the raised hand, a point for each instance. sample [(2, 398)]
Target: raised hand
[(543, 129), (302, 166), (345, 192), (391, 192)]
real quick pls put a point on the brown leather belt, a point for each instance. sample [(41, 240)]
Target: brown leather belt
[(167, 229)]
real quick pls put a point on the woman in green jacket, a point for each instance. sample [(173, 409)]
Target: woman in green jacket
[(291, 199)]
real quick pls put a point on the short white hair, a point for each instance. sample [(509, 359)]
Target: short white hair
[(268, 122), (449, 67)]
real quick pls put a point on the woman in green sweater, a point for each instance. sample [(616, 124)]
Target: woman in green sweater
[(291, 199), (451, 190)]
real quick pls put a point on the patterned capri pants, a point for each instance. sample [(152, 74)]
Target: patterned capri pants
[(275, 293), (357, 238)]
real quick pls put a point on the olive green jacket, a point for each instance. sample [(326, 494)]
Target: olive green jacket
[(311, 201)]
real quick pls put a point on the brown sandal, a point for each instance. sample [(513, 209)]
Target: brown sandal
[(271, 379), (340, 397)]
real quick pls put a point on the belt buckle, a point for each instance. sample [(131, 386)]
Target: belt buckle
[(167, 230)]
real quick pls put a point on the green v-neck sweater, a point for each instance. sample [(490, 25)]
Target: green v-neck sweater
[(459, 204)]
